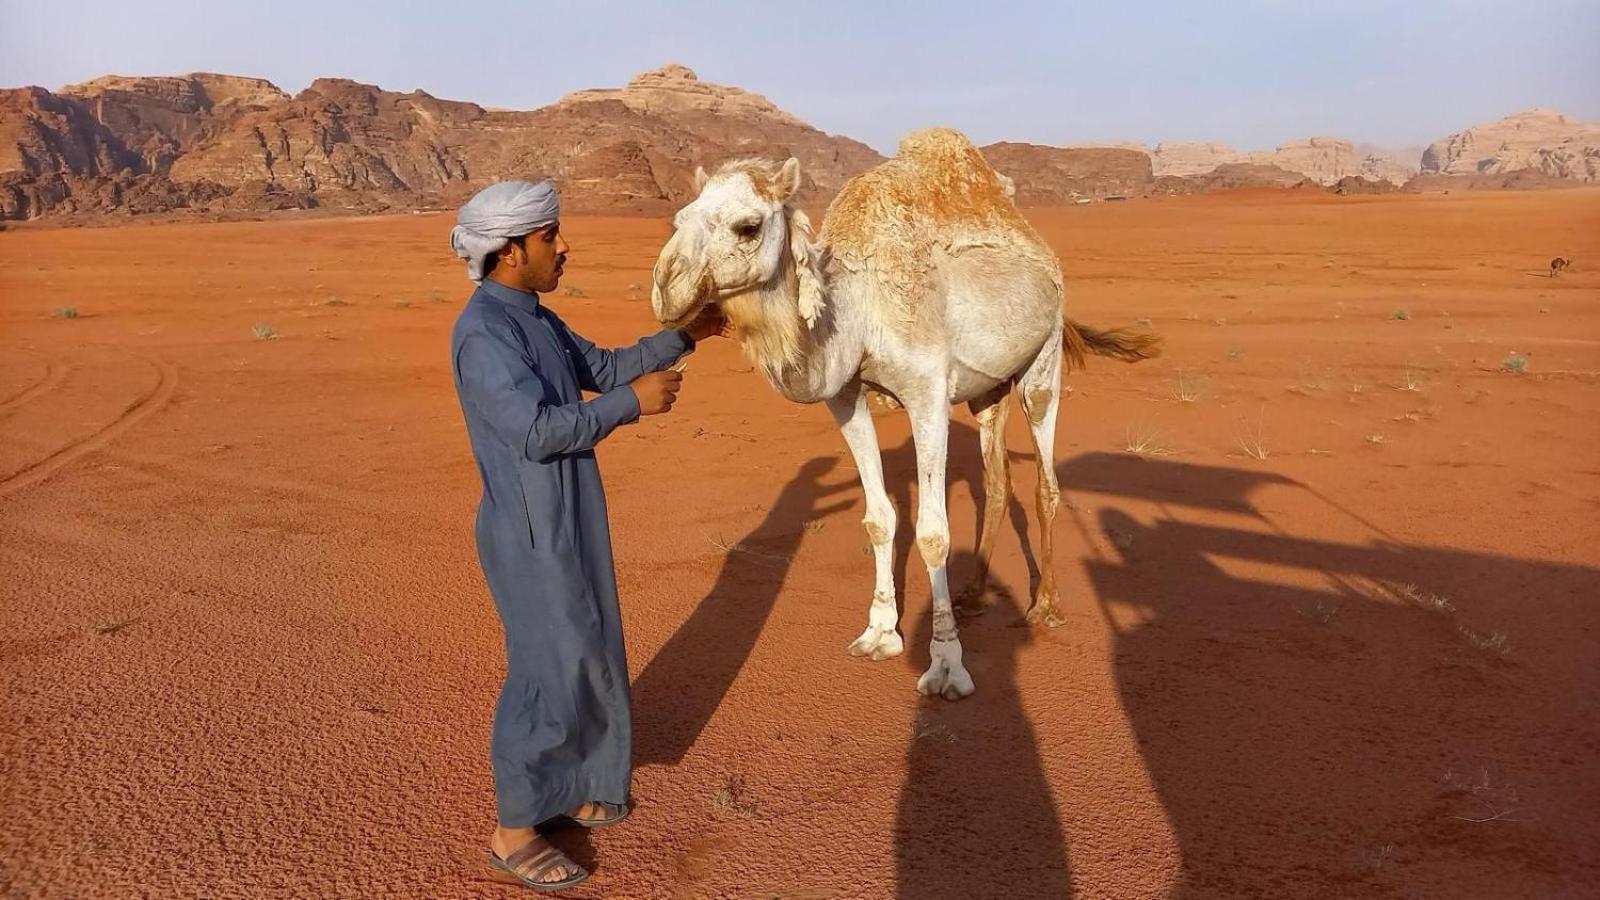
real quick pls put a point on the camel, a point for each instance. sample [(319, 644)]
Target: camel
[(926, 285)]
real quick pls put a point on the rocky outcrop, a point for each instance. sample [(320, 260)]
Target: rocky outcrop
[(1047, 176), (1233, 176), (1538, 140), (161, 118), (342, 144), (1322, 159), (1356, 184)]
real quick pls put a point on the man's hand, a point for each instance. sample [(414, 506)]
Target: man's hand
[(657, 392), (709, 323)]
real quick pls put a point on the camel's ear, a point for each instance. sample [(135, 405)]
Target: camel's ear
[(812, 297), (787, 182), (700, 179)]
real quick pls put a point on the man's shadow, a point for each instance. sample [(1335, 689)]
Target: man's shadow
[(682, 686)]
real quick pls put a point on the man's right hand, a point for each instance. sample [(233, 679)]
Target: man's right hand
[(657, 392)]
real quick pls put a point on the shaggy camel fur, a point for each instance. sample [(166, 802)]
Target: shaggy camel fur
[(925, 285)]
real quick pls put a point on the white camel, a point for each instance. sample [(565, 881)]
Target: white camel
[(926, 285)]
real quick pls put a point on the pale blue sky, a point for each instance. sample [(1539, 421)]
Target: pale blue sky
[(1253, 74)]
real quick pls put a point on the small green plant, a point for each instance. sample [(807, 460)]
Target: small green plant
[(333, 300), (1516, 364), (574, 291), (435, 297), (1412, 382), (1403, 315), (402, 304), (66, 312), (264, 332), (1376, 438)]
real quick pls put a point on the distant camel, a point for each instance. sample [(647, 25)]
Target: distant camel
[(1559, 265), (926, 286)]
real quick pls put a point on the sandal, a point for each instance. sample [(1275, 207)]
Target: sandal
[(544, 860), (611, 814)]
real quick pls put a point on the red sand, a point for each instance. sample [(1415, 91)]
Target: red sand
[(247, 650)]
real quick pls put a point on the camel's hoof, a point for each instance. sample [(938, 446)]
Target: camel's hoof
[(946, 677), (1046, 614), (878, 644)]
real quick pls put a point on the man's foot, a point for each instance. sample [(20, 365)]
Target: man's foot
[(597, 814), (525, 855)]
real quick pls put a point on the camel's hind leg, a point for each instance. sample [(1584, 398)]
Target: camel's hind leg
[(880, 640), (991, 410), (1040, 387)]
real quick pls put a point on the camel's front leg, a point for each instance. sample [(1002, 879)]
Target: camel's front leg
[(880, 640), (930, 428)]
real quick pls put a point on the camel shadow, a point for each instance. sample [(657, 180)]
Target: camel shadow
[(1010, 843), (1344, 717), (1317, 717)]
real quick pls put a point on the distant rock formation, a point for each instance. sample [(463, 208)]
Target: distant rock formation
[(1540, 140), (1047, 176)]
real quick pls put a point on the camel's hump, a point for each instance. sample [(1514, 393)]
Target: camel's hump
[(937, 190)]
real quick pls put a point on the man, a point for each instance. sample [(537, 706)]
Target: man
[(561, 746)]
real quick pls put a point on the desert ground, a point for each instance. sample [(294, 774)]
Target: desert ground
[(1331, 570)]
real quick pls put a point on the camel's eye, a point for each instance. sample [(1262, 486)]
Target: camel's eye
[(747, 230)]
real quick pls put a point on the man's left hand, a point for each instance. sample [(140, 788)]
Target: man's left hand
[(709, 323)]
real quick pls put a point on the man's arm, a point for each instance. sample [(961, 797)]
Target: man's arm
[(497, 383), (604, 370)]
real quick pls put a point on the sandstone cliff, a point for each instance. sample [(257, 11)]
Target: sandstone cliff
[(1540, 140)]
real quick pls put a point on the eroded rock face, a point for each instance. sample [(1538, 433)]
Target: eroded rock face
[(1047, 176), (1324, 160), (1538, 140), (340, 143)]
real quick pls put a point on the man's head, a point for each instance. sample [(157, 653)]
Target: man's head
[(511, 231), (531, 262)]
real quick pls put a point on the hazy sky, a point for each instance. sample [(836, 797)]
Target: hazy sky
[(1253, 74)]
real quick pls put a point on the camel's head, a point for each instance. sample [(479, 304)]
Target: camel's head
[(735, 238)]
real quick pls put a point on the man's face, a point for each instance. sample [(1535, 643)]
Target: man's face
[(540, 259)]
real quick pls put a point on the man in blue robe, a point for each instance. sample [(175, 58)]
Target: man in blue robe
[(562, 745)]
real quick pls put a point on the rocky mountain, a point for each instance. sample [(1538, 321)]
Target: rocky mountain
[(223, 144), (1540, 140), (218, 143), (1321, 159), (1047, 176)]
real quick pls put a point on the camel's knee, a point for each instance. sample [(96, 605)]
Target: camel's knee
[(1049, 500), (935, 548), (1036, 403), (880, 528)]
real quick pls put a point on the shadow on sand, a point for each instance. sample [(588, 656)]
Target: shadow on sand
[(1371, 735)]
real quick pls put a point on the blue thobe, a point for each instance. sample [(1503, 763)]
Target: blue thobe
[(562, 732)]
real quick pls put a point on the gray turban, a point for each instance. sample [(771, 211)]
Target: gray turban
[(498, 213)]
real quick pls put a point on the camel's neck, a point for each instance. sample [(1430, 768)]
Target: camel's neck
[(805, 362)]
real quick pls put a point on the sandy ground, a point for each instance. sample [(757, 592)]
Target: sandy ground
[(247, 650)]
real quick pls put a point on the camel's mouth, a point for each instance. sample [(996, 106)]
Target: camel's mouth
[(690, 315)]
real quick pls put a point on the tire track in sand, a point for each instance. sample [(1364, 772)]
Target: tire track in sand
[(54, 372), (137, 411)]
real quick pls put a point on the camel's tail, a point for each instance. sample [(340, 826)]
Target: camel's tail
[(1125, 344)]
